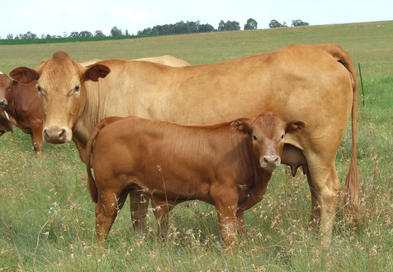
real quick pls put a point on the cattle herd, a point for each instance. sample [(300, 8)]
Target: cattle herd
[(163, 130)]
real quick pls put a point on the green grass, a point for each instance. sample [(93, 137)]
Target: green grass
[(47, 217)]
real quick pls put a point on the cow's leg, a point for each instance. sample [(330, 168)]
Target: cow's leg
[(139, 203), (36, 137), (161, 211), (315, 206), (325, 185), (107, 207), (225, 200)]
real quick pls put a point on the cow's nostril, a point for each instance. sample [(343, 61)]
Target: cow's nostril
[(62, 133)]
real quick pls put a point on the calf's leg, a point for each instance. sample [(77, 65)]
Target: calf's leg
[(225, 200), (107, 207), (161, 211), (139, 202)]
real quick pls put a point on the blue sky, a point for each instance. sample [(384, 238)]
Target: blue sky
[(56, 17)]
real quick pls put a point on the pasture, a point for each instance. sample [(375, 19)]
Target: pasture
[(47, 218)]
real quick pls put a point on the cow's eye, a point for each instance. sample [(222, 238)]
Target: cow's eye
[(254, 137), (75, 90), (282, 136), (39, 89)]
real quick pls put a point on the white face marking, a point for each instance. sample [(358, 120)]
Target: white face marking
[(1, 73)]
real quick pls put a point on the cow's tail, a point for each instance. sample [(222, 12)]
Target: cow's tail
[(89, 150), (351, 182)]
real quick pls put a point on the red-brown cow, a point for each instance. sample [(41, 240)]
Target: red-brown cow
[(228, 165), (5, 122), (21, 103)]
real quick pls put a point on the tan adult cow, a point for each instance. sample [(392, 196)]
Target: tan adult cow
[(313, 83)]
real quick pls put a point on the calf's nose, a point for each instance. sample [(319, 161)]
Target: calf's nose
[(3, 102), (270, 161), (55, 136)]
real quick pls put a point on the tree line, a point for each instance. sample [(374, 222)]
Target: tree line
[(177, 28)]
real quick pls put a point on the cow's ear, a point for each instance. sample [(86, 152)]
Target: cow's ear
[(294, 126), (241, 126), (24, 74), (95, 71)]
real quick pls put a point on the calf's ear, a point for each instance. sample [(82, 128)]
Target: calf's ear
[(95, 71), (24, 74), (241, 126), (294, 126)]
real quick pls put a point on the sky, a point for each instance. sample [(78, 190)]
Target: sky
[(59, 17)]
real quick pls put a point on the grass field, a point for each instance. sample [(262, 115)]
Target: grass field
[(47, 217)]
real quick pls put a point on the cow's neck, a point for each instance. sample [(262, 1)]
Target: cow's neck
[(11, 108), (93, 110)]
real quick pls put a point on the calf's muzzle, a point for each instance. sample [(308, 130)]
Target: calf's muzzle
[(3, 103), (270, 161)]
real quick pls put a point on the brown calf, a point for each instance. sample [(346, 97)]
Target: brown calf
[(228, 165), (21, 103)]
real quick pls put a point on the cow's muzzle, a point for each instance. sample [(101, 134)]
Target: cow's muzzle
[(270, 162), (3, 103), (55, 136)]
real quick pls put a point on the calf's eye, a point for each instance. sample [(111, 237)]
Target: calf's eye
[(39, 89), (77, 88), (254, 137), (282, 136)]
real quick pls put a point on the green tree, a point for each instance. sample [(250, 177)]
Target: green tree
[(74, 34), (99, 34), (251, 24), (228, 25), (116, 32), (299, 22), (205, 28), (274, 24), (221, 25), (85, 34), (28, 36)]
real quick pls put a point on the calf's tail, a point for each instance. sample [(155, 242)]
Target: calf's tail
[(352, 181), (89, 154)]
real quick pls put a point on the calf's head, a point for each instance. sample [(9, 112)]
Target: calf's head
[(61, 90), (267, 132)]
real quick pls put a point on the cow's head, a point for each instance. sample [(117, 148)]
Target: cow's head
[(267, 132), (5, 85), (61, 90)]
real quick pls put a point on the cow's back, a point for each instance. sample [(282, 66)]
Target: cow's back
[(293, 82), (188, 159)]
